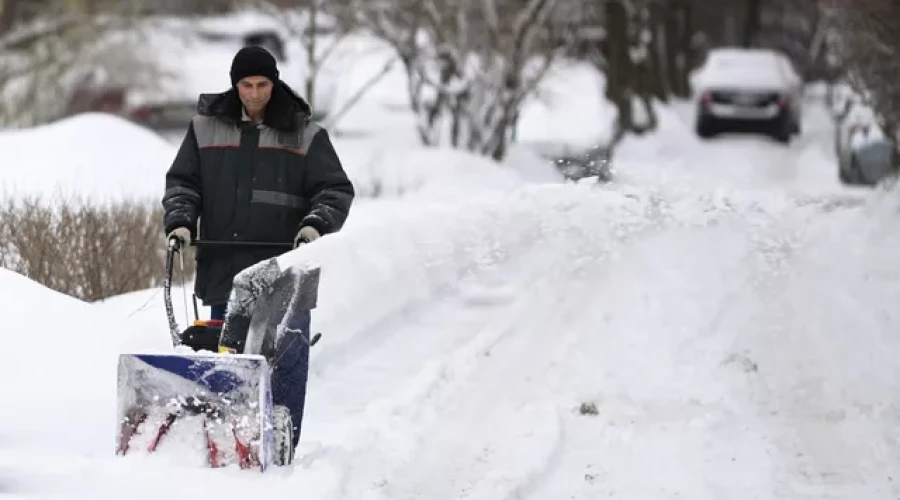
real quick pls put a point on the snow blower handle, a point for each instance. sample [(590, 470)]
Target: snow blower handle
[(175, 244), (255, 244), (173, 247)]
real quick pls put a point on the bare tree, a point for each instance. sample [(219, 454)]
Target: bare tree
[(319, 36), (321, 27), (869, 45), (471, 64)]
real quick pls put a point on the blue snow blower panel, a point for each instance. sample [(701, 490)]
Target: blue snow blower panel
[(219, 376), (153, 376)]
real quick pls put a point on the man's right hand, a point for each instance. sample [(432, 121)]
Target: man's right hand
[(182, 235)]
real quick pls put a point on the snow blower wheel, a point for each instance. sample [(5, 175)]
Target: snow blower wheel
[(284, 436)]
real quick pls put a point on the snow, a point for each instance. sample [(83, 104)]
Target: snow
[(727, 306), (566, 108), (742, 69), (43, 349), (426, 172), (93, 155)]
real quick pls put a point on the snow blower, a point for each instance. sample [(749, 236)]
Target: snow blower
[(216, 383)]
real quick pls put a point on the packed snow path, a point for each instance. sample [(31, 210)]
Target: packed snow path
[(742, 359), (648, 340)]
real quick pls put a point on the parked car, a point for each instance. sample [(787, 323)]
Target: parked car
[(755, 90)]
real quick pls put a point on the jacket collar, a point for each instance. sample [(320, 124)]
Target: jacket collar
[(286, 111)]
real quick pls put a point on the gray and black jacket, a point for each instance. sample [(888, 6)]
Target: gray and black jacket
[(232, 180)]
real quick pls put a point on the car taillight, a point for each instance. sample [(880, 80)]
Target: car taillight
[(783, 101), (706, 97), (140, 114)]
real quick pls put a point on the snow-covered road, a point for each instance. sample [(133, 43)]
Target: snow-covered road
[(667, 337)]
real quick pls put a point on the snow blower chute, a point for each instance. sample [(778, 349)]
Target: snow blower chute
[(218, 404)]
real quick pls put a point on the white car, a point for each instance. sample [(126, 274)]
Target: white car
[(748, 89)]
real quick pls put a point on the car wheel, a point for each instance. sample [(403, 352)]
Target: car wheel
[(783, 136), (783, 130), (705, 127)]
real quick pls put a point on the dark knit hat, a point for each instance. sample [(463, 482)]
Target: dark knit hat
[(253, 61)]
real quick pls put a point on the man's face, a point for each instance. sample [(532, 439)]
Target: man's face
[(255, 92)]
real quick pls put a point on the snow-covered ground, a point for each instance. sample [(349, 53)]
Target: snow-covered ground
[(727, 307)]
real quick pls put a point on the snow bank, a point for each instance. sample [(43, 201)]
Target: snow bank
[(59, 359), (421, 171), (94, 155), (569, 110)]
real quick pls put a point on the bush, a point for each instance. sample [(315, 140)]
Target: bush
[(85, 249)]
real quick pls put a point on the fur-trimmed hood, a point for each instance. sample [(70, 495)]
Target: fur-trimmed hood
[(285, 111)]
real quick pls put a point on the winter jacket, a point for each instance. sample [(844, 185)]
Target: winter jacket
[(232, 180)]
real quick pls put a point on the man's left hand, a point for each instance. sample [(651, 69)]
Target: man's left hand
[(307, 234)]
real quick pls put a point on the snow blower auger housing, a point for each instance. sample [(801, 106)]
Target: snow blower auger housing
[(213, 397)]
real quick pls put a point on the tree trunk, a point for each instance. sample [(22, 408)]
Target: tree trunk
[(687, 50), (7, 14), (675, 56), (311, 57), (752, 22), (619, 71), (660, 87)]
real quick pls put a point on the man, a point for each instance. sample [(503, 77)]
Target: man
[(253, 167)]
